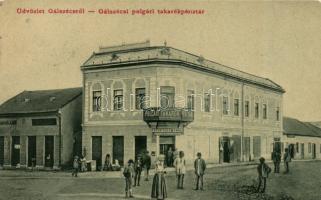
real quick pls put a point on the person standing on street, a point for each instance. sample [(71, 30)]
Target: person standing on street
[(287, 159), (199, 166), (75, 166), (276, 157), (138, 170), (159, 190), (108, 166), (180, 170), (128, 174), (169, 157), (263, 171), (147, 164), (175, 153)]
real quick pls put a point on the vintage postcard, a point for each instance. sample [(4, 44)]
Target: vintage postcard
[(106, 99)]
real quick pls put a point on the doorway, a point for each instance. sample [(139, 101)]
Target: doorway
[(225, 149), (246, 149), (1, 150), (49, 151), (15, 155), (256, 147), (313, 151), (140, 145), (32, 151), (165, 143), (118, 149), (302, 150), (97, 151)]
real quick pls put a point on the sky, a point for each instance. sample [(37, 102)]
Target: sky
[(276, 40)]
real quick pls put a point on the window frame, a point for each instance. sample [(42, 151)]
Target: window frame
[(207, 102), (264, 111), (140, 103), (190, 104), (236, 104), (96, 101), (257, 110), (225, 105), (119, 101), (247, 109), (164, 91)]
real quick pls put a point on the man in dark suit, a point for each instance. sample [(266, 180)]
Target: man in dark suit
[(199, 166), (287, 159), (276, 157), (263, 171), (146, 163)]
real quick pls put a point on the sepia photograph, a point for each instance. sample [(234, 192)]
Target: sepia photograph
[(164, 100)]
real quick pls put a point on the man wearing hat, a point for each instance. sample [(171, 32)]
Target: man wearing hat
[(129, 174), (263, 171), (199, 166)]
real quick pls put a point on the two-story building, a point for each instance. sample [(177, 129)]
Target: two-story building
[(139, 97), (41, 128)]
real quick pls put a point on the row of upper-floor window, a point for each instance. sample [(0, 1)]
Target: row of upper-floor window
[(167, 99)]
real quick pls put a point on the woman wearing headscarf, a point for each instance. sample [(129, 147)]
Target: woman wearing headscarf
[(159, 184)]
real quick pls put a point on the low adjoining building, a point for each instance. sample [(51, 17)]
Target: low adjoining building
[(139, 97), (40, 128), (302, 138)]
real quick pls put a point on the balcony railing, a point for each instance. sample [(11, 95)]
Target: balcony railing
[(157, 114)]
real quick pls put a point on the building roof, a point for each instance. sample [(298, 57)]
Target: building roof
[(318, 124), (143, 53), (293, 126), (39, 101)]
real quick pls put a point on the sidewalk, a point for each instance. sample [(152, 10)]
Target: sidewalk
[(95, 174), (19, 174)]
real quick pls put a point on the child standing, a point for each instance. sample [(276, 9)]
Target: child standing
[(128, 174), (75, 166), (263, 171)]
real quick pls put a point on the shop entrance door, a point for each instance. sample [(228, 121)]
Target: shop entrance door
[(226, 149), (140, 145), (15, 155), (1, 150), (49, 151), (118, 149), (166, 143), (32, 151), (97, 151)]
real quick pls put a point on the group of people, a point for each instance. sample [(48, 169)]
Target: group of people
[(79, 164), (264, 170), (133, 170)]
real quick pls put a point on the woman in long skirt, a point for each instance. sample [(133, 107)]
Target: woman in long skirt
[(159, 184)]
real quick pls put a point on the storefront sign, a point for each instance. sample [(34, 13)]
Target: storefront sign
[(167, 131), (168, 114)]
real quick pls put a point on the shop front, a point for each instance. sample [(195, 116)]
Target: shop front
[(166, 125)]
